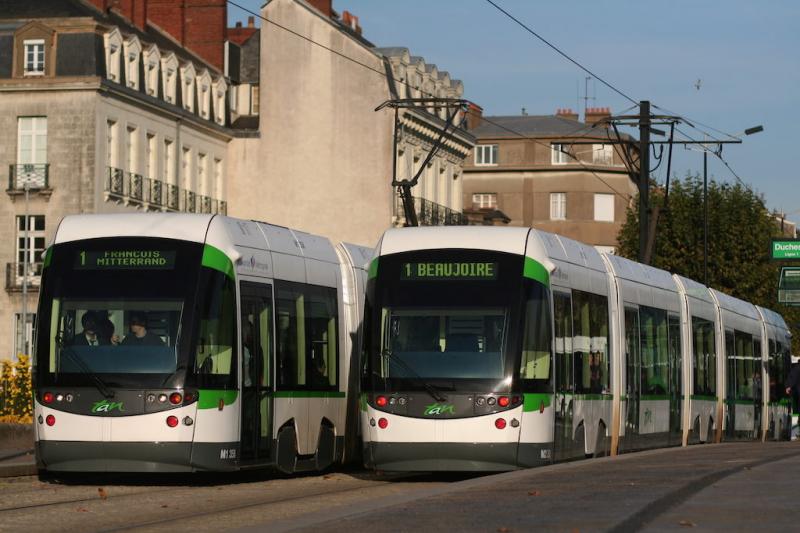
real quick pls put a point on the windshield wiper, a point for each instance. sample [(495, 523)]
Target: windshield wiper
[(435, 393), (83, 367)]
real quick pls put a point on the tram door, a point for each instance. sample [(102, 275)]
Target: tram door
[(564, 442), (675, 381), (256, 341), (633, 377)]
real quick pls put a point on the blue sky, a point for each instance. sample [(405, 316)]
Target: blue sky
[(746, 54)]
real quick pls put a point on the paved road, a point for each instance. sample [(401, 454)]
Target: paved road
[(730, 487)]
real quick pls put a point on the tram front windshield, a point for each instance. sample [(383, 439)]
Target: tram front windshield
[(116, 309), (451, 319)]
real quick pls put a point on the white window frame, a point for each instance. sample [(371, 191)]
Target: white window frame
[(484, 200), (204, 94), (558, 206), (219, 100), (486, 154), (36, 66), (112, 143), (132, 148), (559, 154), (603, 154), (29, 252), (604, 207), (29, 329), (169, 162), (151, 157), (218, 179), (34, 128)]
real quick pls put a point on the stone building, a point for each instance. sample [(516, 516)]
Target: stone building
[(322, 159), (101, 111), (550, 172)]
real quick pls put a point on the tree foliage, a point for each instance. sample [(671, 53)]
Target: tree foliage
[(740, 229), (16, 397)]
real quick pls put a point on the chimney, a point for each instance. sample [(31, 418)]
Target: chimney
[(594, 115), (324, 6), (567, 113), (251, 22), (238, 24), (474, 116), (352, 21), (199, 25)]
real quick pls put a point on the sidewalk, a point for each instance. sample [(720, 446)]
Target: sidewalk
[(18, 462)]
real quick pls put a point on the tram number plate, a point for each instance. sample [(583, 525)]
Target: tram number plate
[(227, 453)]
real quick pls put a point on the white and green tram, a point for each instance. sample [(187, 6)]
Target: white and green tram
[(493, 348), (177, 342)]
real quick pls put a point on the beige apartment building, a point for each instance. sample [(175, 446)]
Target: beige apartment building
[(99, 113), (550, 172), (322, 158)]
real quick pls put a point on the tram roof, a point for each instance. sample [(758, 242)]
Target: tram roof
[(772, 318), (491, 238), (693, 288), (640, 273), (182, 226), (735, 305)]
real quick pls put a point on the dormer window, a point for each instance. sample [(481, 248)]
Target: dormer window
[(113, 47), (169, 77), (204, 94), (34, 57), (152, 62), (188, 76), (133, 51), (219, 99)]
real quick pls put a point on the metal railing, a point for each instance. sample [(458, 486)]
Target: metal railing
[(37, 176), (431, 214), (15, 273), (135, 189)]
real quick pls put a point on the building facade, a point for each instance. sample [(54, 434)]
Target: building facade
[(100, 112), (322, 160), (550, 172)]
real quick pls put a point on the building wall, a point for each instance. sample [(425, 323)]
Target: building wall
[(322, 145)]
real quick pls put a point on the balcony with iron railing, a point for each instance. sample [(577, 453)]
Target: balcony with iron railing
[(15, 275), (35, 176), (430, 213), (155, 195)]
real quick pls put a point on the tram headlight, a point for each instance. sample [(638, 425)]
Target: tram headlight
[(175, 398), (162, 397), (492, 400), (59, 397), (481, 400)]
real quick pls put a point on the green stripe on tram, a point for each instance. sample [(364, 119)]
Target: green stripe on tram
[(373, 269), (534, 401), (209, 399), (535, 270), (216, 259), (48, 257), (704, 397), (308, 394)]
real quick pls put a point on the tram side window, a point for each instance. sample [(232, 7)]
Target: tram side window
[(536, 345), (306, 336), (562, 309), (705, 358), (745, 366), (215, 362), (654, 343), (590, 342), (777, 370), (730, 355)]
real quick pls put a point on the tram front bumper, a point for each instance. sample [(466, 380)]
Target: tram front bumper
[(76, 456)]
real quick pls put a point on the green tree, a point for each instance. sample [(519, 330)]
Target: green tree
[(740, 229)]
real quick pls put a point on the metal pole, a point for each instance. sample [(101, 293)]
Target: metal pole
[(705, 217), (26, 253), (644, 176)]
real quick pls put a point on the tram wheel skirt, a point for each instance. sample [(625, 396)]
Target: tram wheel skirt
[(454, 456)]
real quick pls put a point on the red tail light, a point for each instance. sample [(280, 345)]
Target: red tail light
[(500, 423), (383, 423), (175, 398), (172, 421), (48, 397), (381, 401), (51, 420), (503, 401)]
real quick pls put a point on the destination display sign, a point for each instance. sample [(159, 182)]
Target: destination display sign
[(449, 271), (125, 260), (789, 286), (786, 249)]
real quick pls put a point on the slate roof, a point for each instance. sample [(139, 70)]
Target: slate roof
[(536, 126)]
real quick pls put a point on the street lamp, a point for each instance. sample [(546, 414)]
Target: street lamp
[(748, 131)]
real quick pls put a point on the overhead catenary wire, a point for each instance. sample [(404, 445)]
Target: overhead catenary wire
[(391, 77)]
